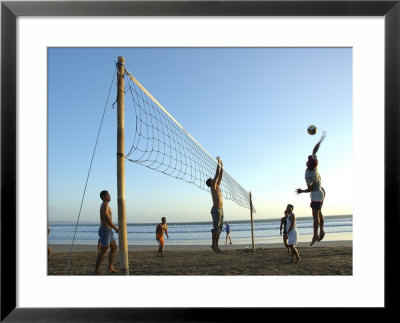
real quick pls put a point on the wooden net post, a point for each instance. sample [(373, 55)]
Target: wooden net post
[(122, 228)]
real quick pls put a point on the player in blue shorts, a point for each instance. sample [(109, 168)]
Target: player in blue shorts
[(106, 235)]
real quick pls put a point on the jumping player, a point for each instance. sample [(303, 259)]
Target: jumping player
[(317, 193)]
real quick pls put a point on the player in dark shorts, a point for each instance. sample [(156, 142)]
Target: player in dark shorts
[(283, 226)]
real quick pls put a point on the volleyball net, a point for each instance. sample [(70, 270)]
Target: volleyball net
[(160, 143)]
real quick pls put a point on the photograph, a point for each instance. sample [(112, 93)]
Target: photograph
[(257, 143), (276, 124)]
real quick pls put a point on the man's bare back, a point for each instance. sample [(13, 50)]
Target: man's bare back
[(216, 196), (217, 212), (215, 186)]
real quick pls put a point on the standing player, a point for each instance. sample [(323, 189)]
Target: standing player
[(228, 233), (106, 234), (317, 193), (284, 227), (292, 233), (160, 230)]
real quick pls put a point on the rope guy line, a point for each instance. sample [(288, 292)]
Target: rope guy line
[(90, 167)]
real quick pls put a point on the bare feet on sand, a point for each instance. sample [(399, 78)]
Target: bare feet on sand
[(321, 235), (216, 249), (314, 240), (112, 270)]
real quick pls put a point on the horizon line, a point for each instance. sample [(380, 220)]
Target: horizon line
[(198, 222)]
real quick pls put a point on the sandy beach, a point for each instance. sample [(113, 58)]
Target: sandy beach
[(323, 258)]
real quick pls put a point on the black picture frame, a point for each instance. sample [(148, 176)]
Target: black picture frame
[(10, 10)]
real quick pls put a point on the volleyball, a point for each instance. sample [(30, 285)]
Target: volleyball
[(312, 130)]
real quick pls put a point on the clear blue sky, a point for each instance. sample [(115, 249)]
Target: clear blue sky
[(251, 106)]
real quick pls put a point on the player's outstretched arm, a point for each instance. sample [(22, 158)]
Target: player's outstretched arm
[(219, 180), (319, 143), (217, 171)]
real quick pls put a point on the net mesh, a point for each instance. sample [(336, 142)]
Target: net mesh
[(162, 144)]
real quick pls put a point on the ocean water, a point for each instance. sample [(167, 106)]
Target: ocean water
[(265, 231)]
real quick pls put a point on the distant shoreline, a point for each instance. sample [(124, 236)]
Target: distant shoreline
[(299, 219), (86, 248)]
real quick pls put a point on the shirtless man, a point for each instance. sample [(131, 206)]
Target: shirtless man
[(317, 193), (106, 234), (161, 228), (217, 212)]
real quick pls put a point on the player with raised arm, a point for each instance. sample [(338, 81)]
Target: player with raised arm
[(217, 211), (317, 193)]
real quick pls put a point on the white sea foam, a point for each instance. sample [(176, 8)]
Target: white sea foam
[(336, 228)]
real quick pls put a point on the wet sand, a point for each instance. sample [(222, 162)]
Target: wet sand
[(323, 258)]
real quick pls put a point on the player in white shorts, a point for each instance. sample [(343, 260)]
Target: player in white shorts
[(292, 233), (317, 193)]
